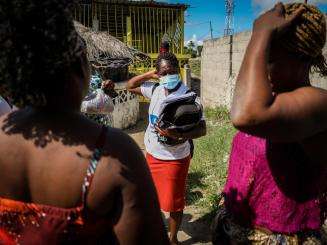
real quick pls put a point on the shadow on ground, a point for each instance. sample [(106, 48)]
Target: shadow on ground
[(197, 231), (193, 187), (193, 230), (196, 228)]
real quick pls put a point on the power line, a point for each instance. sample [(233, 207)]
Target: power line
[(197, 24), (202, 23)]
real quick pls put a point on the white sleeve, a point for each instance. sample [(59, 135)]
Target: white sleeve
[(146, 89)]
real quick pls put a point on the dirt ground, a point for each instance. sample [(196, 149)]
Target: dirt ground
[(194, 229)]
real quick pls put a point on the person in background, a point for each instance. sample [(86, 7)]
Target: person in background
[(63, 178), (168, 164), (108, 87), (276, 185)]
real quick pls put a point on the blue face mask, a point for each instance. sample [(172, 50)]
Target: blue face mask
[(170, 81)]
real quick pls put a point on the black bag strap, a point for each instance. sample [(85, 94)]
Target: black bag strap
[(191, 142), (176, 88), (156, 85), (171, 90)]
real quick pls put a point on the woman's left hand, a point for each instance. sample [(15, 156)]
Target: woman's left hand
[(275, 20)]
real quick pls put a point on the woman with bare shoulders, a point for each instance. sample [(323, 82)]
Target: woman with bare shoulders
[(276, 186), (63, 178)]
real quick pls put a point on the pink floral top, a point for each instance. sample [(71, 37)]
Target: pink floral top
[(273, 186)]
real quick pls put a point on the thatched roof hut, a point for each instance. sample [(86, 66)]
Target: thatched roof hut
[(106, 51)]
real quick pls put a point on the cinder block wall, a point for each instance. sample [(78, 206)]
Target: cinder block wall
[(217, 85), (215, 71)]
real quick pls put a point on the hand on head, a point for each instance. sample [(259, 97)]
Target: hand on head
[(275, 20)]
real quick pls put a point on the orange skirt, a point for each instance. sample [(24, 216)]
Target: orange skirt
[(169, 178)]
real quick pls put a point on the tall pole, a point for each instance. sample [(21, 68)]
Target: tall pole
[(229, 28), (211, 35)]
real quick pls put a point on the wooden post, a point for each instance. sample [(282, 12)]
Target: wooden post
[(129, 34), (182, 30), (305, 1)]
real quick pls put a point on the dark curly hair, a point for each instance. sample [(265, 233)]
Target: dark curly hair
[(169, 57), (39, 48)]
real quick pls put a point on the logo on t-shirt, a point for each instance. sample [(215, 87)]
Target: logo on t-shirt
[(153, 119)]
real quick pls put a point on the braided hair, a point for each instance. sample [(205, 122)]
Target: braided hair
[(169, 57), (308, 38), (39, 47)]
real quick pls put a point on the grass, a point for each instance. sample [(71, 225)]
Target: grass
[(209, 166)]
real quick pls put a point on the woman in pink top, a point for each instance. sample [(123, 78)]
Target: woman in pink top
[(276, 186)]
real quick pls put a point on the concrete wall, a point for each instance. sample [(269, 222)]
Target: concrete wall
[(217, 85)]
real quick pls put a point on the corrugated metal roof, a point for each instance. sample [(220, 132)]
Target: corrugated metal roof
[(143, 3), (158, 4)]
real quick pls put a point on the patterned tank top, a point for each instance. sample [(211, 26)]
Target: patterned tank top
[(29, 223)]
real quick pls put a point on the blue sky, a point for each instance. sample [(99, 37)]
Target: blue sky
[(202, 11)]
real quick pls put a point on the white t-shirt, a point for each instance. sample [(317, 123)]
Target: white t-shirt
[(4, 107), (152, 145)]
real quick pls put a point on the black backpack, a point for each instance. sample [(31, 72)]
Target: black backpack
[(184, 114)]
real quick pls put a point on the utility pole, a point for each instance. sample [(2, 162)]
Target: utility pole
[(211, 35), (229, 29)]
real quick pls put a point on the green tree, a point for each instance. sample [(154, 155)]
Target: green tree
[(191, 45), (190, 49)]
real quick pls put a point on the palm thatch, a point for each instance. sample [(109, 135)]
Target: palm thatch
[(107, 51)]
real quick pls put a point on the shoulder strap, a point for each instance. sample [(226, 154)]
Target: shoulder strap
[(93, 164), (156, 85), (176, 88)]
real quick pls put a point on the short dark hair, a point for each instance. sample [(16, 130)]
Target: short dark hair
[(169, 57), (39, 49)]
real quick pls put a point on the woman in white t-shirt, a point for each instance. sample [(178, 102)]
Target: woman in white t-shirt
[(168, 163)]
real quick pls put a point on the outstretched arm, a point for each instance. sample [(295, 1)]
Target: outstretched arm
[(288, 116)]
